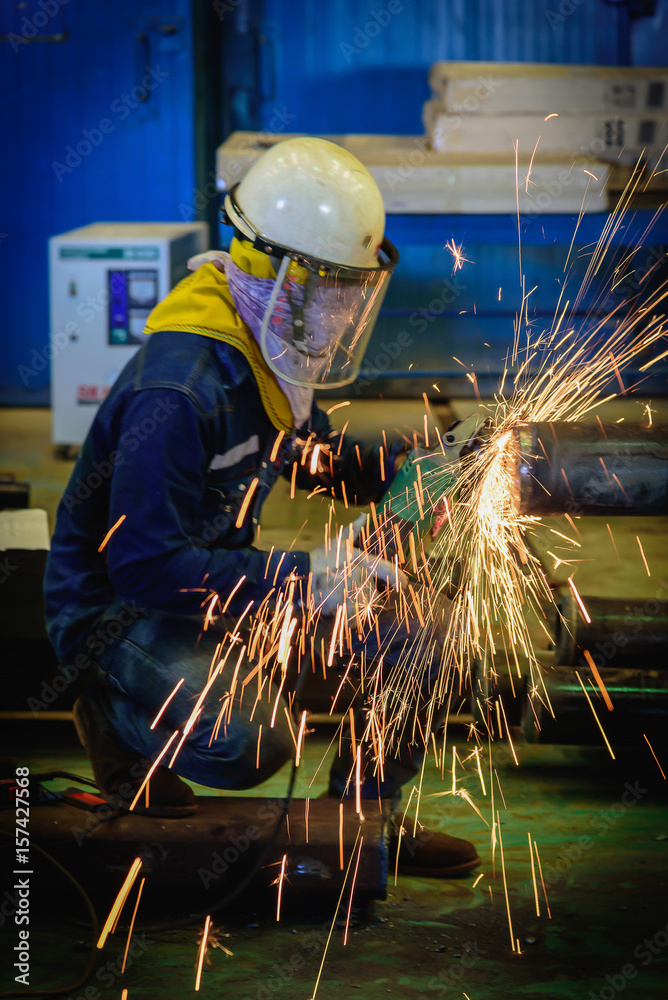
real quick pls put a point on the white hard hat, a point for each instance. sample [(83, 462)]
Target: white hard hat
[(312, 203), (313, 197)]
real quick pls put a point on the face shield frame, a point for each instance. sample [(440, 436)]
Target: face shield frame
[(353, 337)]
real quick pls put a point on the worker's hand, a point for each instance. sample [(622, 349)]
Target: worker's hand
[(341, 569)]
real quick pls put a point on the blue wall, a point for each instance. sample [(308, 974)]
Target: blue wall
[(53, 92), (335, 68), (303, 65)]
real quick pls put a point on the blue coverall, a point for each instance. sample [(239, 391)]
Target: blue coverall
[(175, 447)]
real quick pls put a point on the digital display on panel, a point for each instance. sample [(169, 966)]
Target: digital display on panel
[(132, 295)]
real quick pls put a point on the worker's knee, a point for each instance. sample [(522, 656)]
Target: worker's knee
[(262, 761)]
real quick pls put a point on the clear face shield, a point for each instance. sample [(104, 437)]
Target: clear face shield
[(320, 317)]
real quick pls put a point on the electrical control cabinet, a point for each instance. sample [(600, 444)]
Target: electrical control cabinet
[(104, 281)]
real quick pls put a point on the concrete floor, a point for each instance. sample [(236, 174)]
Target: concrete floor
[(601, 827)]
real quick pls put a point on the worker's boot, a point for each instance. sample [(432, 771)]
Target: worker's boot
[(436, 855), (119, 773)]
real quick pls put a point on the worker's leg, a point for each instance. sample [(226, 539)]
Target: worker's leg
[(409, 708), (405, 703), (228, 747)]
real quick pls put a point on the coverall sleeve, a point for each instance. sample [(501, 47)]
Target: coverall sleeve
[(343, 460), (159, 485)]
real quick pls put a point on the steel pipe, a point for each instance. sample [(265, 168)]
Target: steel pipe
[(591, 468), (639, 699), (622, 632)]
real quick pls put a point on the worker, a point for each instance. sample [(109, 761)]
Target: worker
[(152, 575)]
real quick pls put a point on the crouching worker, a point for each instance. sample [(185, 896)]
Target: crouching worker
[(197, 638)]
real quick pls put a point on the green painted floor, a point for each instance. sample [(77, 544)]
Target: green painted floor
[(601, 828)]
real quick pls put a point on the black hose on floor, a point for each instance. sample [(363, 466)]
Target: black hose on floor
[(95, 926)]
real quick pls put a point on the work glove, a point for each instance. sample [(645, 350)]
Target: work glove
[(341, 569)]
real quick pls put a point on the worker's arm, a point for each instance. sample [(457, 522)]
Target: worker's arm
[(152, 557), (343, 460)]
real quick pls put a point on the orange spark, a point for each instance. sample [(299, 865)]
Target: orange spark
[(277, 445), (655, 757), (246, 504), (331, 929), (152, 769), (533, 876), (158, 716), (300, 738), (313, 468), (530, 165), (616, 371), (496, 773), (111, 531), (540, 870), (505, 883), (510, 739), (208, 617), (579, 601), (132, 923), (280, 887), (337, 406), (456, 252), (202, 952), (119, 902), (352, 890), (179, 745), (643, 556), (597, 677), (257, 755), (652, 362), (358, 786), (593, 710), (612, 540), (232, 593)]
